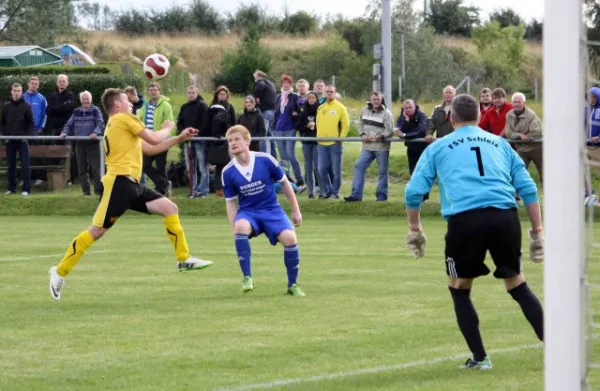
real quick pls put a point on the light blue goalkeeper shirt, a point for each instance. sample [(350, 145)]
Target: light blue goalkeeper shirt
[(475, 169)]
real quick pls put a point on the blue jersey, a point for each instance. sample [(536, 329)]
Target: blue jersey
[(475, 169), (253, 184)]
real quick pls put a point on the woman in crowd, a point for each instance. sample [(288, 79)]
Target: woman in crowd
[(252, 119), (221, 116), (307, 125), (286, 118)]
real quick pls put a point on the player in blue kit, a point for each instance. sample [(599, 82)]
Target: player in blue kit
[(478, 174), (249, 179)]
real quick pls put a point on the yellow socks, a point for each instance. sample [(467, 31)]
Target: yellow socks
[(82, 242), (177, 237)]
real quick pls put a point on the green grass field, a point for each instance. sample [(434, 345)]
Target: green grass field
[(373, 318)]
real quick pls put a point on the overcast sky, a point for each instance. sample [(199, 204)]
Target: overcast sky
[(526, 8)]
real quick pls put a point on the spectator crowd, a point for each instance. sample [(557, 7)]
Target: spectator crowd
[(284, 112)]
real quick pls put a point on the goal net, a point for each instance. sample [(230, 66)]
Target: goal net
[(572, 267)]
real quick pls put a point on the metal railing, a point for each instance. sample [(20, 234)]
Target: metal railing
[(268, 145)]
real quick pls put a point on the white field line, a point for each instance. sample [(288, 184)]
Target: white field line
[(43, 256), (369, 371), (212, 252)]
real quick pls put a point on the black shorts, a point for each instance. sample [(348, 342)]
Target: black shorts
[(121, 194), (471, 234)]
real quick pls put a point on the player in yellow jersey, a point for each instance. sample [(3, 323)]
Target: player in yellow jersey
[(125, 140)]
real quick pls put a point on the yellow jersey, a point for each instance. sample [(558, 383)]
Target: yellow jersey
[(332, 121), (122, 146)]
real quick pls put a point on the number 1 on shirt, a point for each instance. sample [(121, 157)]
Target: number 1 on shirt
[(479, 161)]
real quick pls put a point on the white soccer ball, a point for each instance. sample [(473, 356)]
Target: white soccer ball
[(156, 66)]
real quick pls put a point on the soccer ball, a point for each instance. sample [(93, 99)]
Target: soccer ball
[(156, 66)]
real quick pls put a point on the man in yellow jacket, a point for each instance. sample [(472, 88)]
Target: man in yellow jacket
[(332, 121)]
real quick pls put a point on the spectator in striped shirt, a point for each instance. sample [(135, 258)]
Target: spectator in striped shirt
[(153, 114)]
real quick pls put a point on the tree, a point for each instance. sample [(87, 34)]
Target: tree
[(451, 17), (404, 16), (133, 22), (360, 33), (107, 18), (237, 67), (534, 30), (206, 18), (300, 23), (501, 50), (329, 59), (592, 14), (200, 16), (173, 20), (35, 21), (506, 17), (429, 66), (251, 15)]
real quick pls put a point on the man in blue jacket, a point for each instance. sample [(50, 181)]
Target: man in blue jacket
[(479, 174), (38, 105), (412, 123)]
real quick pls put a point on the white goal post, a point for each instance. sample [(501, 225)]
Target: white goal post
[(564, 360)]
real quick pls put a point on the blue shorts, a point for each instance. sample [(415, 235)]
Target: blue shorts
[(270, 222)]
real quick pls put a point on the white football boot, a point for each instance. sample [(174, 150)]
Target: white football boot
[(193, 263), (56, 284)]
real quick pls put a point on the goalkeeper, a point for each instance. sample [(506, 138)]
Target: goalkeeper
[(478, 174)]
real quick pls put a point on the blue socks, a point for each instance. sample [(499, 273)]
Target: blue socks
[(242, 246), (291, 257)]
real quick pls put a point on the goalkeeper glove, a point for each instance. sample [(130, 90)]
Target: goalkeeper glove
[(536, 247), (416, 242)]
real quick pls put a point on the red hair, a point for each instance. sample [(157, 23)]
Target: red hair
[(287, 77)]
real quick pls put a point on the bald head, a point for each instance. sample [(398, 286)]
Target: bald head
[(449, 94)]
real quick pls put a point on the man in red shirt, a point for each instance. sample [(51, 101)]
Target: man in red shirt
[(494, 120)]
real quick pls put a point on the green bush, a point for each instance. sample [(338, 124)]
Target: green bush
[(329, 59), (95, 84), (238, 66), (502, 52), (300, 23), (53, 70)]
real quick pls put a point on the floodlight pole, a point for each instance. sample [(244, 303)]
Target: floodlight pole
[(386, 61)]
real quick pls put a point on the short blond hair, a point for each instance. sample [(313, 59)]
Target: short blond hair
[(302, 81), (153, 84), (239, 129)]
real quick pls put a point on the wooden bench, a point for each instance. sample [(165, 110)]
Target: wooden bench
[(58, 171)]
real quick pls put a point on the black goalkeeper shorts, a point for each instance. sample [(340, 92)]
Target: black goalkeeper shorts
[(472, 234)]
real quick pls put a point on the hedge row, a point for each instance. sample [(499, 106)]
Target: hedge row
[(53, 70), (94, 83)]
